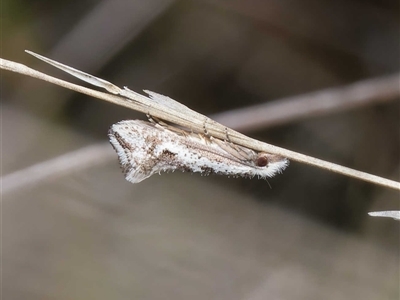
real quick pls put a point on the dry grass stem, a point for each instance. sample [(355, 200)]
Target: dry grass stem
[(281, 111), (395, 214), (58, 166), (183, 116)]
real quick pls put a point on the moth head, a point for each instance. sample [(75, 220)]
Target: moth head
[(274, 163)]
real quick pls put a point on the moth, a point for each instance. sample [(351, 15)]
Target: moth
[(147, 148)]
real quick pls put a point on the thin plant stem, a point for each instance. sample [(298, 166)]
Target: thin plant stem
[(193, 120)]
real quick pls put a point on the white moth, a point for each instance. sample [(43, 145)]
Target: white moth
[(146, 148)]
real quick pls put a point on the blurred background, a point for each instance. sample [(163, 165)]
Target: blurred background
[(73, 228)]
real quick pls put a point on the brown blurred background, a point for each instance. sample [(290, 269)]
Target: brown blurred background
[(83, 232)]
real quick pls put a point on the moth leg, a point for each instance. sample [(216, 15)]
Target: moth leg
[(160, 124), (206, 133), (177, 130), (242, 152), (205, 136), (155, 121), (234, 150)]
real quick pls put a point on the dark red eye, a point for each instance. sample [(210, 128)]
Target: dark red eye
[(262, 161)]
